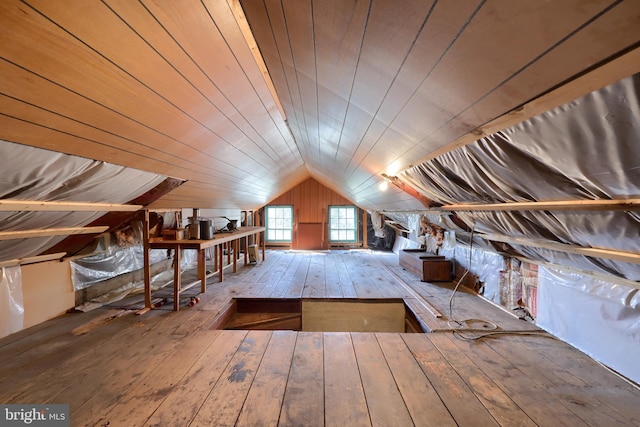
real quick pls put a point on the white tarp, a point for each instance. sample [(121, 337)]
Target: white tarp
[(485, 264), (11, 304), (30, 173), (575, 309), (586, 149)]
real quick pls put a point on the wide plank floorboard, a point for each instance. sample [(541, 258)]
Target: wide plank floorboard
[(171, 368)]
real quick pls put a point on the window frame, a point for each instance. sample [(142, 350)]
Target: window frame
[(355, 228), (267, 228)]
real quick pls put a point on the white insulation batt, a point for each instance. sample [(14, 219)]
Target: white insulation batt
[(30, 173)]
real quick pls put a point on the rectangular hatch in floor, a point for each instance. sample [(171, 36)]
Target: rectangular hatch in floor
[(319, 315)]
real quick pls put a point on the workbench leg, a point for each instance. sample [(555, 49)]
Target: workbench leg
[(176, 279), (246, 249), (220, 268), (147, 262), (202, 270), (235, 255)]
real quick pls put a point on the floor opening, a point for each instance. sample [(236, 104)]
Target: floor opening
[(320, 315)]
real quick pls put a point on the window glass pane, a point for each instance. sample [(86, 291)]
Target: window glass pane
[(343, 226), (279, 223)]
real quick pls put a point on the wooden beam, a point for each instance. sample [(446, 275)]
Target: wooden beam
[(411, 188), (623, 66), (557, 205), (10, 205), (622, 256), (47, 232), (32, 260), (241, 20)]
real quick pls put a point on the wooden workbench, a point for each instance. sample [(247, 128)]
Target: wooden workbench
[(230, 239)]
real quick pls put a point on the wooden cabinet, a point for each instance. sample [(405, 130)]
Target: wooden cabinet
[(428, 267)]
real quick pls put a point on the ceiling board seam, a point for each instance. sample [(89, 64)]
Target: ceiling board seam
[(250, 83), (264, 71), (160, 96), (433, 67), (281, 62), (206, 75), (588, 80), (232, 178), (96, 103), (524, 67), (353, 80), (315, 68), (98, 129), (295, 73), (189, 81)]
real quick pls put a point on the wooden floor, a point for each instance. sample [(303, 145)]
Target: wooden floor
[(169, 368)]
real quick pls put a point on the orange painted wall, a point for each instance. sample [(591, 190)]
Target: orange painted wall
[(310, 200)]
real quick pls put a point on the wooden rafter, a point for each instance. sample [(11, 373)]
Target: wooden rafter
[(411, 189), (11, 205), (616, 255), (32, 260), (557, 205), (48, 232)]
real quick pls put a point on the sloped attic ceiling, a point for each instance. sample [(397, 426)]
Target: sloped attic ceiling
[(173, 88), (167, 87), (373, 87)]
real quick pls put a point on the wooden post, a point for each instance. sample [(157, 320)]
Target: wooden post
[(365, 243), (147, 261), (235, 254), (202, 270), (176, 279), (220, 266)]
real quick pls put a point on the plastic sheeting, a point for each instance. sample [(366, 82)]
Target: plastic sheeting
[(11, 303), (574, 308), (92, 269), (585, 149), (30, 173), (483, 263)]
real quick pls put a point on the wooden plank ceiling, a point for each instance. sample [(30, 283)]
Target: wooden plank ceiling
[(368, 87)]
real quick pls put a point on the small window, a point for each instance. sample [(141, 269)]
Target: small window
[(279, 220), (343, 226)]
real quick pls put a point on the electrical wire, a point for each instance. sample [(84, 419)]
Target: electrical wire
[(463, 329)]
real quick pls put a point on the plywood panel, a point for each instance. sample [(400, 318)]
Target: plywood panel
[(352, 316), (47, 291), (309, 236)]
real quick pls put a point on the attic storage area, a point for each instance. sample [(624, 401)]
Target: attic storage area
[(563, 217), (149, 141)]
